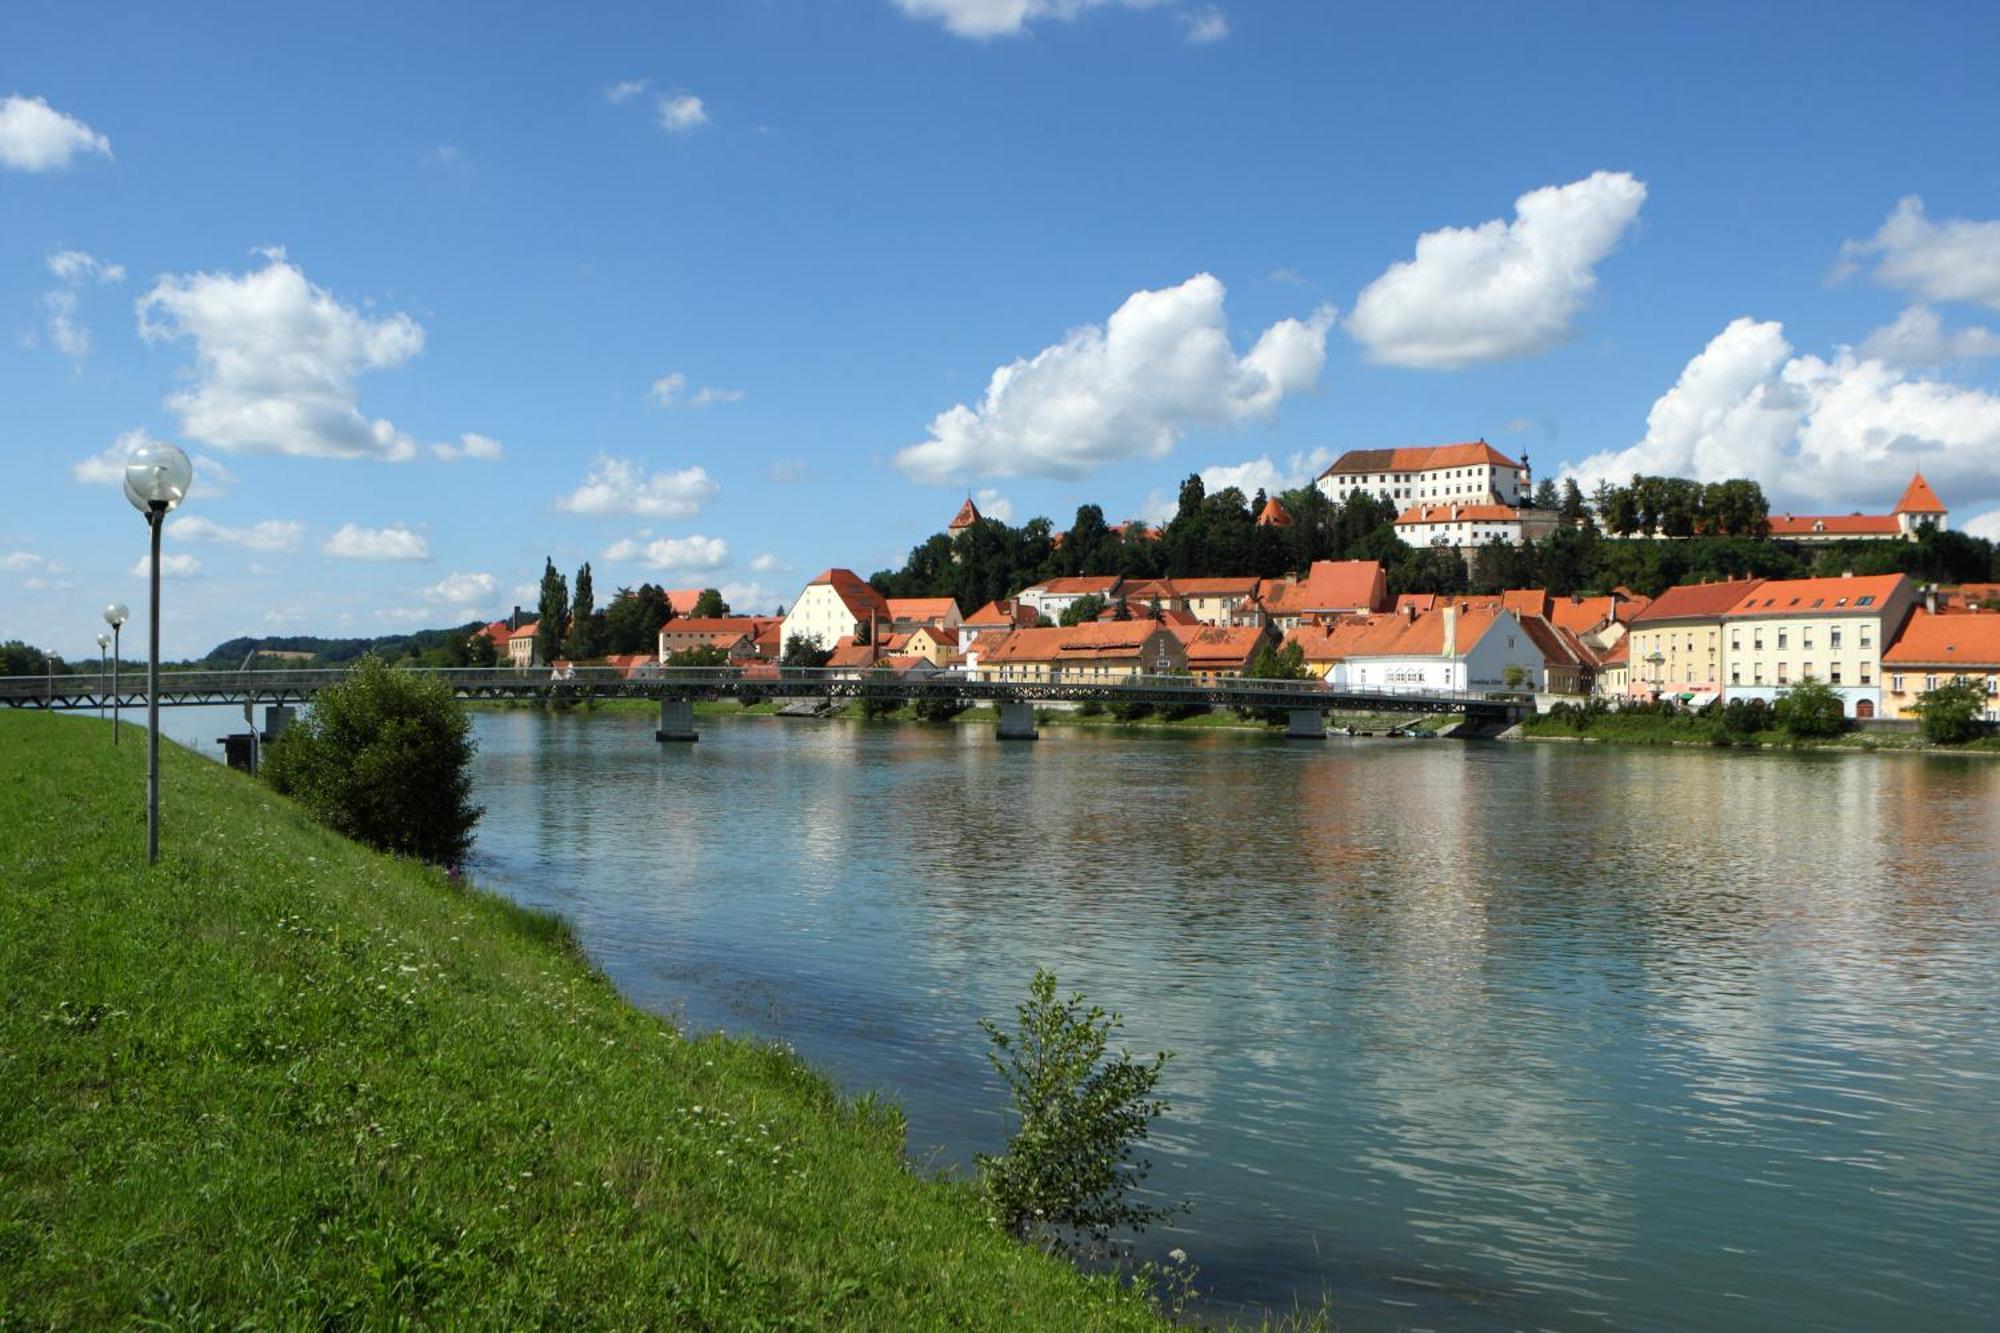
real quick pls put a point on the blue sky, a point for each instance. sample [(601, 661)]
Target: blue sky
[(304, 242)]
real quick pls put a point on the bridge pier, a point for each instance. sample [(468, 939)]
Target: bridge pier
[(676, 721), (277, 717), (1017, 721), (1305, 724)]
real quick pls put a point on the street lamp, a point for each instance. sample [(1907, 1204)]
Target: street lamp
[(157, 477), (103, 647), (114, 616)]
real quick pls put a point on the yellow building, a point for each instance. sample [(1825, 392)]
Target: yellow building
[(1832, 630), (1934, 650), (1096, 652), (1673, 649)]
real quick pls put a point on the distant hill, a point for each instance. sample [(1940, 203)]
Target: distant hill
[(230, 654)]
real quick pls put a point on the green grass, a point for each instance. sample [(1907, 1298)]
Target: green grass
[(281, 1081)]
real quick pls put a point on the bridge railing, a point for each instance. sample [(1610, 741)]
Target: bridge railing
[(85, 689)]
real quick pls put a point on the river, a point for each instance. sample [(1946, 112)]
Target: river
[(1467, 1036)]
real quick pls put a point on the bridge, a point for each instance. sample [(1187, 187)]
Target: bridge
[(1305, 702)]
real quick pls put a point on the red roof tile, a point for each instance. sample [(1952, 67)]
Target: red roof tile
[(1273, 515), (1696, 601), (1919, 498), (1971, 642), (1840, 525), (968, 514), (1419, 458), (1834, 596)]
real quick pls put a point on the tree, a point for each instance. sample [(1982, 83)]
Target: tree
[(1811, 710), (1546, 495), (383, 757), (709, 605), (1572, 509), (1080, 1115), (876, 700), (803, 651), (1275, 662), (700, 655), (1083, 609), (1951, 713), (19, 659), (585, 632), (481, 651), (553, 612)]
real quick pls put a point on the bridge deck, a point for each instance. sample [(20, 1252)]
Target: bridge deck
[(188, 688)]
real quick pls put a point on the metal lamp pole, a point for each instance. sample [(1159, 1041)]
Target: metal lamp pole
[(103, 647), (157, 477), (114, 616)]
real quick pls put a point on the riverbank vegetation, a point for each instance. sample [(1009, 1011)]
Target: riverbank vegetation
[(280, 1081), (1801, 719)]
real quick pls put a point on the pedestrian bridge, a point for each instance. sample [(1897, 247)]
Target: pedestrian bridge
[(1306, 702)]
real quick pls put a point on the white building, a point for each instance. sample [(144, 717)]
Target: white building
[(1461, 474), (1472, 525), (1056, 596), (838, 604), (1451, 648)]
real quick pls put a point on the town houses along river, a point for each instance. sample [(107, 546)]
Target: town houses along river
[(1468, 1036)]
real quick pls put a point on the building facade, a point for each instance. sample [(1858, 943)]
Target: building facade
[(1461, 474), (1934, 650), (838, 604), (1834, 630)]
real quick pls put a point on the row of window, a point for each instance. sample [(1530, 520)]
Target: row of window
[(1932, 682)]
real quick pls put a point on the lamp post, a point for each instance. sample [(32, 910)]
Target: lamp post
[(103, 647), (114, 616), (157, 476)]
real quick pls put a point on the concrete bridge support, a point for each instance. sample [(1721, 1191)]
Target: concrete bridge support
[(676, 721), (1017, 721), (1305, 724), (277, 717)]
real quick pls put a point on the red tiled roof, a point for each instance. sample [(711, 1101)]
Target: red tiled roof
[(1273, 515), (942, 635), (1619, 654), (1241, 586), (682, 600), (1393, 635), (855, 593), (1799, 597), (1330, 586), (1843, 525), (1218, 648), (968, 514), (921, 608), (1580, 615), (750, 626), (1416, 601), (1969, 642), (1696, 601), (499, 632), (1919, 498), (847, 653), (1007, 611), (1457, 514), (1420, 458), (1526, 601), (1082, 585), (526, 631)]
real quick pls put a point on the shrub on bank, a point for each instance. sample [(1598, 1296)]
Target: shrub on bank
[(383, 757), (1950, 714), (1811, 710)]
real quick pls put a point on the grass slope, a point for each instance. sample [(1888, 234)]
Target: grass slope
[(282, 1081)]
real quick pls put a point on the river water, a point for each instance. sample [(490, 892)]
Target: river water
[(1467, 1036)]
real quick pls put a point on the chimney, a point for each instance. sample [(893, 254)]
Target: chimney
[(1930, 599), (514, 621), (1614, 605), (1451, 631)]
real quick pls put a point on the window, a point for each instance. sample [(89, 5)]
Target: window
[(1759, 644), (1865, 601), (1805, 640), (1895, 684), (1833, 638), (1833, 673), (1757, 677), (1736, 675), (1781, 638), (1867, 639), (1784, 677), (1865, 674), (1930, 683)]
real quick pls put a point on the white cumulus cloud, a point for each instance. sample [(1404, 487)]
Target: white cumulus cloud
[(211, 479), (992, 504), (1005, 18), (75, 269), (1834, 434), (462, 590), (622, 486), (80, 267), (272, 534), (1954, 260), (21, 562), (171, 566), (276, 360), (470, 445), (682, 113), (34, 136), (351, 541), (767, 564), (1130, 388), (1501, 290), (1204, 25), (624, 90), (692, 554), (1918, 340), (671, 391)]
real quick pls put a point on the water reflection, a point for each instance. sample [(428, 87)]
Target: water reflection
[(1494, 1036)]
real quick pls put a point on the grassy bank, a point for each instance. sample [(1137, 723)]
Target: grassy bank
[(281, 1081), (1690, 729)]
